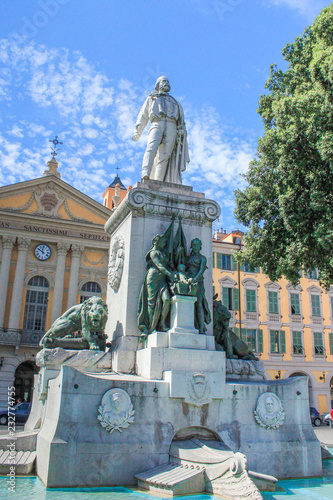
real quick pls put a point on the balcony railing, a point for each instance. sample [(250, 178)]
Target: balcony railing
[(20, 337), (274, 318), (254, 316), (296, 319)]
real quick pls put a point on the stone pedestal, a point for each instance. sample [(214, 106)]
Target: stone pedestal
[(182, 314), (147, 210), (75, 450)]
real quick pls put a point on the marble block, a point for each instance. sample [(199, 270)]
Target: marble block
[(175, 340), (147, 210), (183, 385), (151, 362), (187, 340), (182, 314)]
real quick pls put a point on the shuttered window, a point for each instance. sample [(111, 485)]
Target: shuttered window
[(278, 341), (251, 301), (273, 302), (295, 305)]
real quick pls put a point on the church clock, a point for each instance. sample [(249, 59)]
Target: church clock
[(42, 252)]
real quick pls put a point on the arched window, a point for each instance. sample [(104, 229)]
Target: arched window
[(90, 289), (24, 380), (36, 304)]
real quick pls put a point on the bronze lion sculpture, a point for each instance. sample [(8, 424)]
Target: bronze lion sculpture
[(234, 347), (89, 318)]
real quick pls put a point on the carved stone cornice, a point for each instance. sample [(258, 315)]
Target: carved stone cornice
[(23, 244), (8, 242), (77, 251), (62, 248), (164, 204)]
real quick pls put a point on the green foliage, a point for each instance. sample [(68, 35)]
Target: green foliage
[(288, 203)]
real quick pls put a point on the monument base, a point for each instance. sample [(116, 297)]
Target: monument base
[(75, 447)]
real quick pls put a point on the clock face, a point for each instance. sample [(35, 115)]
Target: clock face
[(42, 252)]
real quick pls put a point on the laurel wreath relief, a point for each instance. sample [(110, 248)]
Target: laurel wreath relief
[(114, 423)]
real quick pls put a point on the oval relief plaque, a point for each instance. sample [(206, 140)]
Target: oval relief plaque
[(269, 412), (116, 410), (116, 262)]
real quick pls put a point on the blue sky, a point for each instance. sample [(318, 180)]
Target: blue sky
[(81, 69)]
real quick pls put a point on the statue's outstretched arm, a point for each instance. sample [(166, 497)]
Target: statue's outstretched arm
[(142, 120)]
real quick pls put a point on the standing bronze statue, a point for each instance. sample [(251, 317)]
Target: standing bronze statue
[(154, 300), (196, 266)]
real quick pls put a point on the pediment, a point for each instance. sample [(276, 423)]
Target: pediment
[(52, 197), (227, 282), (314, 289), (272, 285), (292, 288)]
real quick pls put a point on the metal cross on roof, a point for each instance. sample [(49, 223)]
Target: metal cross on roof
[(54, 150)]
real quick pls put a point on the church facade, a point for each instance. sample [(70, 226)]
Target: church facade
[(54, 254)]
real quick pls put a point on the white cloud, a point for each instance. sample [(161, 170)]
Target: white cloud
[(308, 8), (16, 130), (52, 92)]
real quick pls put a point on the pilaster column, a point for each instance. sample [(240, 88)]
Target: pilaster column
[(17, 295), (62, 249), (7, 247), (74, 275)]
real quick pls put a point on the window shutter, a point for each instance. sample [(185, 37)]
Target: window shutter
[(257, 270), (219, 261), (272, 338), (236, 330), (260, 341), (236, 299), (331, 342), (243, 337), (225, 297), (214, 265), (242, 268), (234, 263), (283, 341)]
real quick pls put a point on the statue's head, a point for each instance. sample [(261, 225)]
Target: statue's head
[(159, 241), (162, 84), (95, 314), (196, 245)]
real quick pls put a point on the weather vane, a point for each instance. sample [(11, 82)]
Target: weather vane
[(54, 150)]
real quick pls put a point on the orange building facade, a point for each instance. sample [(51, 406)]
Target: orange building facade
[(289, 328)]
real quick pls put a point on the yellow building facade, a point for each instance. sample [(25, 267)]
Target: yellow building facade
[(53, 255), (289, 328)]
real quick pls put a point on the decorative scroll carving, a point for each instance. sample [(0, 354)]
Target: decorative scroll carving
[(116, 262), (24, 207), (71, 215), (166, 204), (94, 262), (241, 368), (8, 241)]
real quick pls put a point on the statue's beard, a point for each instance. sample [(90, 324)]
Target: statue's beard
[(165, 88)]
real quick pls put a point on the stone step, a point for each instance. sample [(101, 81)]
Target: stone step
[(173, 479), (23, 461)]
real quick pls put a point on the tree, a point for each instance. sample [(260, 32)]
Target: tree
[(288, 202)]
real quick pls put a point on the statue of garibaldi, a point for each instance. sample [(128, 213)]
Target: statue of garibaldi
[(167, 151)]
